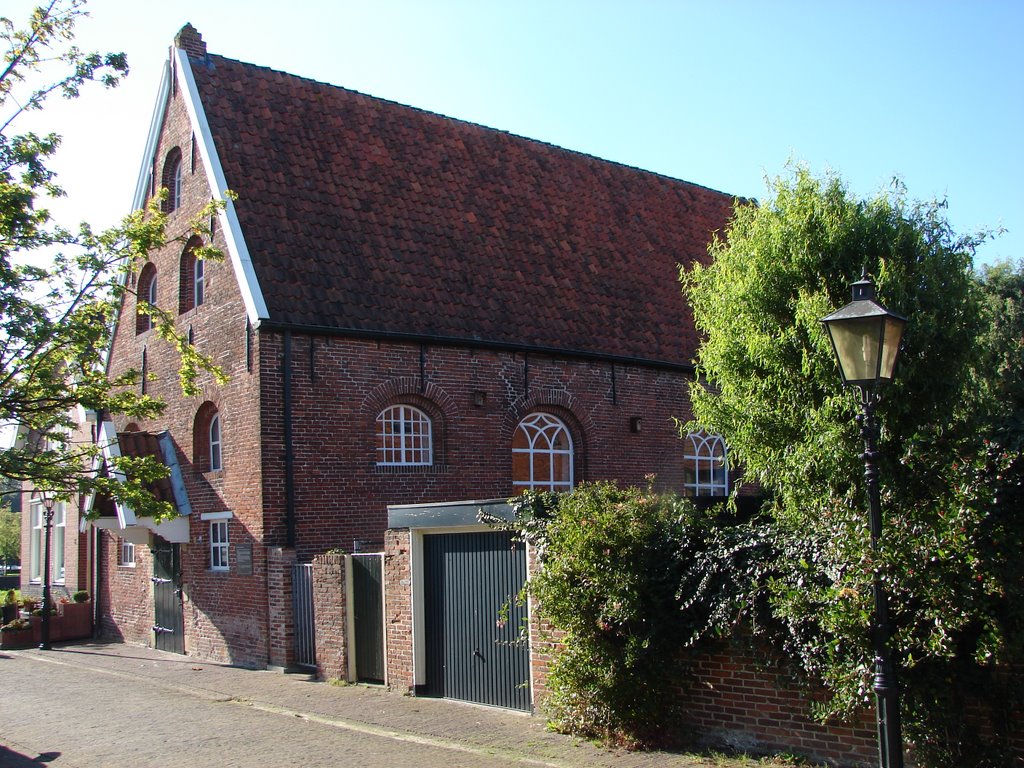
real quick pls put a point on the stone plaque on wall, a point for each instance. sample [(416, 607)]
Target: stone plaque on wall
[(243, 559)]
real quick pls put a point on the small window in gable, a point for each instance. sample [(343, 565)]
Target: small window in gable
[(542, 454), (404, 437), (171, 179), (208, 439), (145, 293), (705, 465), (191, 278)]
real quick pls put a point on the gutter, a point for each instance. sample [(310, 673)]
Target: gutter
[(457, 341)]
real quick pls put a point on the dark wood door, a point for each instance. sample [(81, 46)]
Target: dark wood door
[(169, 625)]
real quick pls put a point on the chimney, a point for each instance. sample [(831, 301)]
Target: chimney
[(190, 41)]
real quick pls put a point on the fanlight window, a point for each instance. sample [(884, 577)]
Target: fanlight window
[(542, 454), (706, 465), (404, 437)]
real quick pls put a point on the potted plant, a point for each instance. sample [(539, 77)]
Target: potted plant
[(16, 634), (10, 608)]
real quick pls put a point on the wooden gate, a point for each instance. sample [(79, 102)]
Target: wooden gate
[(472, 619), (368, 616), (168, 628)]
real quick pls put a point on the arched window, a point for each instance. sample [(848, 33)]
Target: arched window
[(404, 437), (191, 283), (146, 292), (215, 457), (208, 439), (705, 465), (172, 180), (542, 454)]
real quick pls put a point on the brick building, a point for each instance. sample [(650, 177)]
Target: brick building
[(416, 313)]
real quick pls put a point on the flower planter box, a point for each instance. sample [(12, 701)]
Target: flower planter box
[(21, 638), (74, 620)]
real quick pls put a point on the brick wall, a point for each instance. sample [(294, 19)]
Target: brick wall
[(330, 609), (398, 619), (339, 386), (281, 617), (741, 697), (225, 613)]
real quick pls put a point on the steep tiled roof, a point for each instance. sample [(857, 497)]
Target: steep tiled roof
[(366, 215), (139, 445)]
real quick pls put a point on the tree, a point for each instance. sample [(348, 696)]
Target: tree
[(61, 290), (10, 535), (950, 445)]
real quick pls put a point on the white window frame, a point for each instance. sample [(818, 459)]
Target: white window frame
[(215, 444), (59, 563), (198, 286), (405, 437), (126, 554), (542, 431), (709, 457), (35, 565), (219, 545)]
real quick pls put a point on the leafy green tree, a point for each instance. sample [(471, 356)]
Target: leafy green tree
[(950, 446), (10, 536), (61, 290)]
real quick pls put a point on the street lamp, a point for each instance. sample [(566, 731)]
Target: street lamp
[(44, 637), (866, 339)]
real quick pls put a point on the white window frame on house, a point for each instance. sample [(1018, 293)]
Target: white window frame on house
[(214, 434), (404, 437), (35, 573), (548, 444), (126, 554), (60, 520), (219, 545), (706, 465)]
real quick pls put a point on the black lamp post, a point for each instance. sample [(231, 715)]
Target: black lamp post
[(44, 637), (866, 340)]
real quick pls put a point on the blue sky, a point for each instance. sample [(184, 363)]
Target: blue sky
[(722, 94)]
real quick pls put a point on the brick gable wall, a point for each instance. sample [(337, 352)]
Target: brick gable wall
[(225, 614)]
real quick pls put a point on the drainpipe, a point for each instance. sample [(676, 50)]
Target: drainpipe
[(289, 448)]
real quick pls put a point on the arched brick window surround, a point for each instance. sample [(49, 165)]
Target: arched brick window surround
[(208, 439), (191, 274), (433, 401), (171, 179), (562, 405), (145, 292)]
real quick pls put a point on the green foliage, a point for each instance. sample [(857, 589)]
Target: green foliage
[(61, 291), (950, 444), (10, 535), (632, 579)]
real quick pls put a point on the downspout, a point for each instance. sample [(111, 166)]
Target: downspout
[(289, 448)]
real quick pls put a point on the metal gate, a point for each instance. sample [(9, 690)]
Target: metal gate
[(472, 620), (368, 617), (168, 628), (302, 611)]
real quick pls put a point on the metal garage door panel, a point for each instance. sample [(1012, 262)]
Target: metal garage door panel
[(472, 619)]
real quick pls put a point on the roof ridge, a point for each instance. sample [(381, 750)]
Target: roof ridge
[(212, 57)]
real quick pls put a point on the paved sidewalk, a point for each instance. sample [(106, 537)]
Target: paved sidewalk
[(470, 734)]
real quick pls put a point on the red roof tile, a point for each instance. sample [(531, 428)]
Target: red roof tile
[(366, 215)]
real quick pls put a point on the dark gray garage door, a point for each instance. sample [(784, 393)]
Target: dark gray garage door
[(472, 620)]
